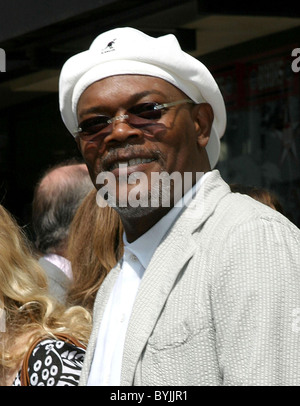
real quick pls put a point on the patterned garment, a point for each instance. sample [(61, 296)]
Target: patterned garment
[(54, 363)]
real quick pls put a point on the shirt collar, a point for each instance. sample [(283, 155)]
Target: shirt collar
[(61, 262), (144, 247)]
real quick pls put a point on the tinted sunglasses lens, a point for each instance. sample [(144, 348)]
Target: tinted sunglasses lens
[(140, 115), (145, 111), (93, 125)]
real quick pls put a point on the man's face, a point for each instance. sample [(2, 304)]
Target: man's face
[(168, 145)]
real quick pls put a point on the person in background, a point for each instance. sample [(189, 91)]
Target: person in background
[(208, 284), (57, 195), (33, 320), (258, 193), (95, 245)]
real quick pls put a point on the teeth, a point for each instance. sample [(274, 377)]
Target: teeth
[(131, 162), (137, 161)]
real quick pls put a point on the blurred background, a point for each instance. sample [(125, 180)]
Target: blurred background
[(248, 48)]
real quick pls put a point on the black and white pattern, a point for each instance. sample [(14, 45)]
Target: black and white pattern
[(54, 363)]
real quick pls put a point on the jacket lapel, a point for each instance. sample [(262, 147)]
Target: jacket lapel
[(177, 247), (155, 287)]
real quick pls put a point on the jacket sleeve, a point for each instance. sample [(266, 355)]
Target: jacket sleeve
[(256, 304)]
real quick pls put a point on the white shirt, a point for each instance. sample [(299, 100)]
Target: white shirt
[(61, 262), (107, 361)]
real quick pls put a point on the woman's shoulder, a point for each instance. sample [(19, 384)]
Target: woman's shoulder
[(54, 362)]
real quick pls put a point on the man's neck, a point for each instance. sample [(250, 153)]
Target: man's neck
[(134, 227)]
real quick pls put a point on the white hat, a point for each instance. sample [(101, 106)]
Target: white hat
[(129, 51)]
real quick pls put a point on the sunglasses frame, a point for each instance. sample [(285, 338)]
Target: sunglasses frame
[(126, 116)]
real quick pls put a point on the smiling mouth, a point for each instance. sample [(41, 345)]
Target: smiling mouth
[(130, 162)]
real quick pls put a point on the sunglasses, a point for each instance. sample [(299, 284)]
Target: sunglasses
[(139, 116)]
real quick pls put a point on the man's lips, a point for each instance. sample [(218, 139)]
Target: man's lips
[(133, 165), (130, 163), (114, 159)]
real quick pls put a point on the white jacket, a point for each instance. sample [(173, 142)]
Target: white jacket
[(220, 300)]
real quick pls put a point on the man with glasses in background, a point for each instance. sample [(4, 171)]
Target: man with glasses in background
[(208, 284)]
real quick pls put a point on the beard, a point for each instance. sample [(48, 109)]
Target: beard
[(145, 203), (142, 200)]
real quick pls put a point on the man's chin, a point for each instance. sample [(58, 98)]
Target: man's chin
[(130, 212)]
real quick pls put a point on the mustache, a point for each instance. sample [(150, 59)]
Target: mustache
[(130, 151)]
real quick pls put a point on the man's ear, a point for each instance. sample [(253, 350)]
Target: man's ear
[(203, 120)]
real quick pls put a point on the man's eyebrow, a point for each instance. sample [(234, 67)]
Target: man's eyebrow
[(91, 110), (132, 99)]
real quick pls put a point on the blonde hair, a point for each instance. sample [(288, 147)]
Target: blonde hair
[(94, 246), (29, 309)]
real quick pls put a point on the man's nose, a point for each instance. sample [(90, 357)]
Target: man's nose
[(120, 117), (122, 129)]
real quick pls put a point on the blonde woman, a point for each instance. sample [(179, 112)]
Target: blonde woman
[(95, 245), (29, 315)]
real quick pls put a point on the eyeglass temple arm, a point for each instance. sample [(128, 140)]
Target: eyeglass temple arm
[(171, 104)]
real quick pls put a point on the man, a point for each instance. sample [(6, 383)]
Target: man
[(57, 195), (208, 285)]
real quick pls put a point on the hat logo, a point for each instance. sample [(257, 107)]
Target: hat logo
[(109, 47)]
